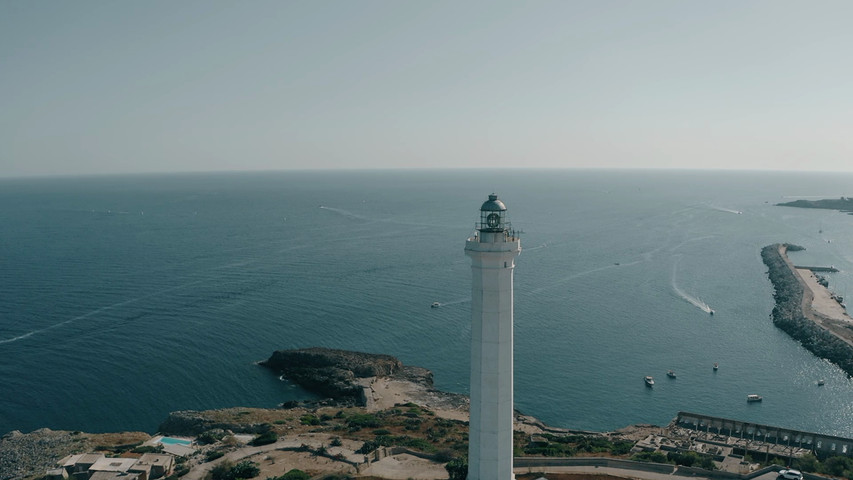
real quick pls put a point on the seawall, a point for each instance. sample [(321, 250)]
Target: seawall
[(794, 315)]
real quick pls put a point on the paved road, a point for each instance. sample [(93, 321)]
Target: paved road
[(625, 473)]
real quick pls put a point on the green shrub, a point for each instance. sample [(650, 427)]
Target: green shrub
[(294, 474), (364, 420), (367, 447), (245, 469), (457, 468), (807, 463), (221, 471), (444, 456), (147, 449), (412, 424), (309, 420), (213, 455), (622, 447), (265, 438), (210, 437), (656, 457), (838, 466)]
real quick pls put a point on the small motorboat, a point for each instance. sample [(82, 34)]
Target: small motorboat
[(711, 311), (435, 305), (650, 381), (821, 382), (670, 374), (716, 367), (753, 398)]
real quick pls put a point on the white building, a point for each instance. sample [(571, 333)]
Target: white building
[(492, 249)]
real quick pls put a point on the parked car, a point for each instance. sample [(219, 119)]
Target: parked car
[(791, 474)]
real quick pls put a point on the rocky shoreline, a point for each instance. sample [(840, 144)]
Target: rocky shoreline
[(794, 314), (348, 379)]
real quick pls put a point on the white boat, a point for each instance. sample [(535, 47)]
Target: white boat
[(821, 382), (753, 398), (716, 367), (670, 374), (435, 305), (650, 381)]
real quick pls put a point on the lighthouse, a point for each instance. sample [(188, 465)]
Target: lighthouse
[(492, 249)]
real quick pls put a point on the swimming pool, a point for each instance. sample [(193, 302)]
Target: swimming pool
[(174, 441)]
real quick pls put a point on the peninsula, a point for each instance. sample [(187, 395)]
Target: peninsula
[(843, 204), (806, 310)]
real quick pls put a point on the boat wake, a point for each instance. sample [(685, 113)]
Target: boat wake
[(455, 302), (344, 213), (686, 296), (727, 210), (93, 312)]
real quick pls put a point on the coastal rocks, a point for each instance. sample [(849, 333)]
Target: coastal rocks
[(21, 454), (25, 455), (192, 423), (790, 316), (334, 373)]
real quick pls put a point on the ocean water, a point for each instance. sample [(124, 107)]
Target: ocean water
[(123, 298)]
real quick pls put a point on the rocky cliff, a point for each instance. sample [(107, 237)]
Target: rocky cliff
[(334, 373)]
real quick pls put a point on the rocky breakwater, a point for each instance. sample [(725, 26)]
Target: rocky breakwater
[(793, 313)]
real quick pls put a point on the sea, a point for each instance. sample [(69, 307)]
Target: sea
[(124, 298)]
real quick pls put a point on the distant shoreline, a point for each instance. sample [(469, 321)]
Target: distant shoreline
[(806, 310), (843, 204)]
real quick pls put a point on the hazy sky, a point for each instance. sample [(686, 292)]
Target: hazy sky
[(154, 86)]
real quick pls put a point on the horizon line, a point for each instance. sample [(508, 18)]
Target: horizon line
[(413, 169)]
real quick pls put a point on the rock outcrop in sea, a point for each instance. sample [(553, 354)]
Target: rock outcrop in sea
[(342, 376), (791, 314), (334, 373)]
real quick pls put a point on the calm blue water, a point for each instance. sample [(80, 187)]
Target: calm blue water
[(125, 298)]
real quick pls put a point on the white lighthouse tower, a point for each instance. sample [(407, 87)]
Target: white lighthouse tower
[(492, 249)]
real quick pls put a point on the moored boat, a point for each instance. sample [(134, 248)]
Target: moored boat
[(435, 305), (753, 398), (650, 381), (670, 374)]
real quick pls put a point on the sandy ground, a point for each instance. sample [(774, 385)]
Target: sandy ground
[(822, 301), (384, 392)]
